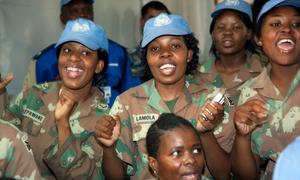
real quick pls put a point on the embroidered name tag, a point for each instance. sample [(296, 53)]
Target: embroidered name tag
[(37, 117), (140, 118)]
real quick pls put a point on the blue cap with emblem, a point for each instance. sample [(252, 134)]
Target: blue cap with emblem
[(164, 24), (237, 5), (271, 4), (64, 2), (86, 32)]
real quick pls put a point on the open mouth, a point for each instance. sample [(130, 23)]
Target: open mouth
[(286, 45), (167, 69), (190, 176), (74, 72)]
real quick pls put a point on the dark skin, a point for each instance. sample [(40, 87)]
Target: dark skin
[(280, 25), (167, 57), (229, 36)]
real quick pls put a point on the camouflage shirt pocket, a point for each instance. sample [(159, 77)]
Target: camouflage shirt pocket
[(142, 123)]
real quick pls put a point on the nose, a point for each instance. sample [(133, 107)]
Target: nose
[(165, 53), (74, 57), (189, 159), (286, 28), (228, 31)]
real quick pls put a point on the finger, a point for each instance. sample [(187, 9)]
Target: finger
[(6, 81)]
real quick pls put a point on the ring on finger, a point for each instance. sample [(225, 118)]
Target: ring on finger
[(208, 111), (203, 116)]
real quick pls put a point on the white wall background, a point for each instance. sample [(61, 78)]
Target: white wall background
[(28, 26)]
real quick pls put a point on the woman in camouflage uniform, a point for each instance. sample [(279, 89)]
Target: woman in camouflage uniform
[(268, 116), (59, 117), (171, 53)]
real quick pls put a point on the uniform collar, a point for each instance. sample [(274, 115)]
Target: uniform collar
[(149, 91)]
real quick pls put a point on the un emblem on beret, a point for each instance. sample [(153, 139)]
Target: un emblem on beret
[(80, 27), (232, 2), (162, 20)]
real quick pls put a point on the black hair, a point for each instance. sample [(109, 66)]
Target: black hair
[(192, 44), (247, 22), (165, 122), (157, 5), (258, 25)]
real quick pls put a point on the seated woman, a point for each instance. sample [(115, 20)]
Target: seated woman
[(174, 149), (59, 117)]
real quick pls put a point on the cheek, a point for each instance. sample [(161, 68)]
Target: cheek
[(168, 167)]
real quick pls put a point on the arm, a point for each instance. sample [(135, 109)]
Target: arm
[(107, 131), (217, 160), (248, 116)]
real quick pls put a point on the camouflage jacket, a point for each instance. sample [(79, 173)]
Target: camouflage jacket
[(16, 160), (283, 120), (209, 74), (139, 107), (80, 156)]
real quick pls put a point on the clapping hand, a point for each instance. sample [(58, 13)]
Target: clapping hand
[(107, 130), (249, 115)]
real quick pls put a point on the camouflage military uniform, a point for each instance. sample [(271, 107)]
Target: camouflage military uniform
[(283, 120), (139, 107), (16, 159), (252, 68), (80, 156)]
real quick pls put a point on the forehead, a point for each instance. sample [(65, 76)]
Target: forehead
[(229, 14), (283, 11), (181, 136), (167, 38)]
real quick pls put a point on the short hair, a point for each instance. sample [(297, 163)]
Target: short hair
[(192, 44), (165, 122), (247, 22), (157, 5)]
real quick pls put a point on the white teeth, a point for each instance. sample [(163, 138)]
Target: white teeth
[(73, 69), (286, 41), (167, 66)]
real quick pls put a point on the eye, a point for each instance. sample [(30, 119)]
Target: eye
[(85, 53), (220, 28), (154, 49), (176, 153), (176, 46), (196, 150), (276, 24), (296, 25), (237, 27), (66, 50)]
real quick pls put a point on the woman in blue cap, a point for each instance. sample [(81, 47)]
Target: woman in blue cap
[(234, 58), (268, 116), (60, 117), (171, 54)]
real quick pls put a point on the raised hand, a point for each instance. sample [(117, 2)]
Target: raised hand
[(250, 115), (209, 116), (107, 130), (64, 107), (4, 82)]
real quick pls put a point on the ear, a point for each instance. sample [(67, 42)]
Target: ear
[(189, 55), (258, 41), (153, 164), (99, 66), (63, 18)]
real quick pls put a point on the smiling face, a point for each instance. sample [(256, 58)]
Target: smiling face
[(230, 34), (179, 155), (167, 57), (280, 36), (77, 65)]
